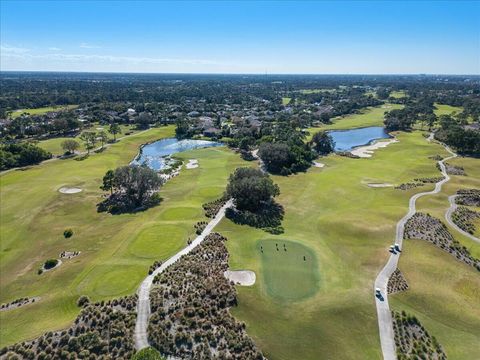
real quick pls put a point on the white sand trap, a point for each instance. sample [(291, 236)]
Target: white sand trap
[(68, 190), (379, 185), (192, 164), (241, 277), (99, 129), (367, 150), (318, 164)]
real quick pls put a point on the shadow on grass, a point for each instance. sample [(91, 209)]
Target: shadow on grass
[(268, 217), (117, 204)]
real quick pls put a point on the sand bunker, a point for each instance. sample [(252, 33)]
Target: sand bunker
[(379, 185), (67, 190), (241, 277), (318, 164), (367, 150), (192, 164)]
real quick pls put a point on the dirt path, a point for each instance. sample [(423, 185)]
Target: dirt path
[(448, 217), (384, 315), (143, 304)]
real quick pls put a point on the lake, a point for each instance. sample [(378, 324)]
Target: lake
[(157, 154), (346, 140)]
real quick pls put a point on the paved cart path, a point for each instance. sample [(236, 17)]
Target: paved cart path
[(384, 314), (448, 217), (143, 303)]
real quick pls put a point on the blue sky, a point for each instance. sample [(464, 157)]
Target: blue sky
[(439, 37)]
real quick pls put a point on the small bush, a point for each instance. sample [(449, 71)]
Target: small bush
[(68, 233), (147, 354), (50, 263), (83, 300)]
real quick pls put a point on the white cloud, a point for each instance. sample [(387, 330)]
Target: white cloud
[(88, 46), (82, 58), (54, 49), (7, 49)]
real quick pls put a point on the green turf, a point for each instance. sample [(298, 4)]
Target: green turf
[(398, 94), (368, 117), (441, 109), (288, 276), (444, 294), (330, 211), (38, 111), (349, 227), (116, 250), (286, 100), (54, 145)]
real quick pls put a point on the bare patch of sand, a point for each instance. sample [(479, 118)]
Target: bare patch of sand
[(379, 185), (69, 190), (69, 254), (241, 277), (367, 150), (318, 164), (192, 164)]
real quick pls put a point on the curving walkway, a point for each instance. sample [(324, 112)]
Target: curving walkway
[(143, 303), (384, 314), (448, 217)]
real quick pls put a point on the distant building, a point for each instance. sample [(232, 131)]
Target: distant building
[(212, 132)]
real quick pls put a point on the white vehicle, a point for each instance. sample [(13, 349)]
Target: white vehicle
[(397, 247), (378, 291)]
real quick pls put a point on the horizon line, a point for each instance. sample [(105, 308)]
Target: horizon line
[(226, 73)]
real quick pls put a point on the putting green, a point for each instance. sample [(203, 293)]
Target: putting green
[(289, 269)]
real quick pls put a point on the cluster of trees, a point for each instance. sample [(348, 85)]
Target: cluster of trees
[(453, 133), (102, 331), (25, 125), (253, 193), (251, 189), (190, 305), (21, 154), (287, 152), (131, 188), (403, 119), (284, 151)]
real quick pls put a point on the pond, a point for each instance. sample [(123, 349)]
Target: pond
[(346, 140), (157, 154)]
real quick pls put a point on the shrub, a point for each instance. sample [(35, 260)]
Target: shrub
[(68, 233), (83, 300), (50, 263), (147, 354)]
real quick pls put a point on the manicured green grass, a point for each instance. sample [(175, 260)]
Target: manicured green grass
[(441, 109), (344, 224), (368, 117), (289, 269), (398, 94), (286, 100), (116, 250), (54, 145), (349, 227), (39, 111), (444, 294)]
